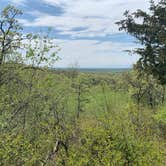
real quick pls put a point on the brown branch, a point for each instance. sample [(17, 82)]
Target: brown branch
[(55, 150)]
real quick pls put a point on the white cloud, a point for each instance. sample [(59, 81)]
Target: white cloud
[(99, 16), (92, 53), (18, 2)]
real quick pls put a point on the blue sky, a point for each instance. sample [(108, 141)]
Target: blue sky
[(85, 30)]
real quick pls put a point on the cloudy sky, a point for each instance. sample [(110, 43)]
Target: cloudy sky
[(85, 30)]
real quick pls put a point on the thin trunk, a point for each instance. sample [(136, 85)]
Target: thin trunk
[(79, 101), (163, 96)]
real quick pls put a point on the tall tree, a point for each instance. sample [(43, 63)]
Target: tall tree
[(10, 36), (150, 30)]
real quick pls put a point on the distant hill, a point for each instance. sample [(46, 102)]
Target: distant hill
[(98, 70)]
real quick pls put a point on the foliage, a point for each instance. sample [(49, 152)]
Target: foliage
[(10, 35), (151, 34), (145, 90)]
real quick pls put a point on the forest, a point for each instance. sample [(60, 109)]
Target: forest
[(52, 117)]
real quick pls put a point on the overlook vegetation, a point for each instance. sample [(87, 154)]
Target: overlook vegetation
[(70, 118)]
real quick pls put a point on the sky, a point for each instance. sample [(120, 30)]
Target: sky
[(85, 30)]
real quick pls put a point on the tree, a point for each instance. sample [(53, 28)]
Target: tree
[(10, 36), (81, 89), (150, 30)]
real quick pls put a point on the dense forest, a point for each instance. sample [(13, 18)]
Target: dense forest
[(53, 117)]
